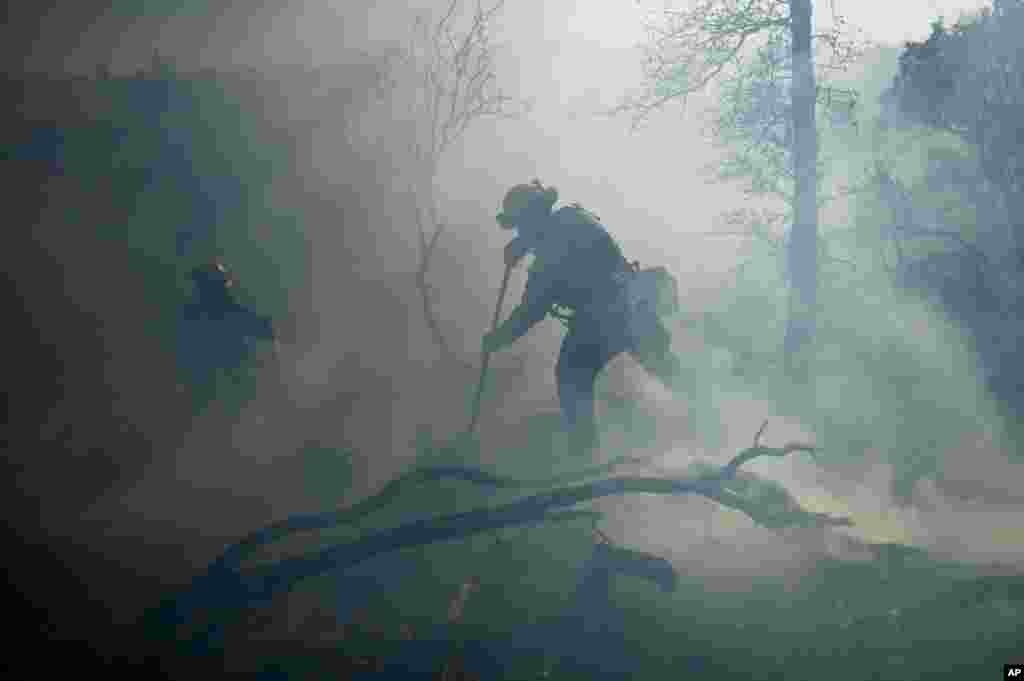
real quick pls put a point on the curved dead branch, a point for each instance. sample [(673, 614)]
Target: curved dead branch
[(225, 586)]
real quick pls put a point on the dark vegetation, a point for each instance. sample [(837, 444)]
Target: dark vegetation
[(967, 80), (113, 184)]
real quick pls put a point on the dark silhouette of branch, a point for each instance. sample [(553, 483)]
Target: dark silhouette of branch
[(225, 586)]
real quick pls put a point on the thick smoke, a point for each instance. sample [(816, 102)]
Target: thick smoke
[(360, 370)]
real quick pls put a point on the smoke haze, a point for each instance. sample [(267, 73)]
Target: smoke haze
[(361, 370)]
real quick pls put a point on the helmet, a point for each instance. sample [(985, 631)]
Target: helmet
[(523, 199), (213, 274)]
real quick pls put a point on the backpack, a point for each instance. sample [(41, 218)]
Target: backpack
[(570, 215), (648, 295), (654, 288)]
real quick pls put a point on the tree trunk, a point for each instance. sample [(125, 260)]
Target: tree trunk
[(803, 238)]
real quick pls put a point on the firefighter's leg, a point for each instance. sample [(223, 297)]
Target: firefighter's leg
[(580, 361)]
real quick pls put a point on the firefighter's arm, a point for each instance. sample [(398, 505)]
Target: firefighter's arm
[(515, 250), (263, 328), (522, 319), (537, 301)]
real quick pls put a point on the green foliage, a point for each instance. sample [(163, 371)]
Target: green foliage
[(673, 83), (891, 370)]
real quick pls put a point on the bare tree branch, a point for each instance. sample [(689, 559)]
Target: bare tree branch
[(449, 75), (688, 49)]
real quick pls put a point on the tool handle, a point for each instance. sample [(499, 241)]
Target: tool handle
[(485, 358)]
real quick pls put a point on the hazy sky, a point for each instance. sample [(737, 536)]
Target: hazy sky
[(313, 30), (570, 57), (618, 23)]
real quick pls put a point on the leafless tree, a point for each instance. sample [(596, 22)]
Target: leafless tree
[(446, 74)]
